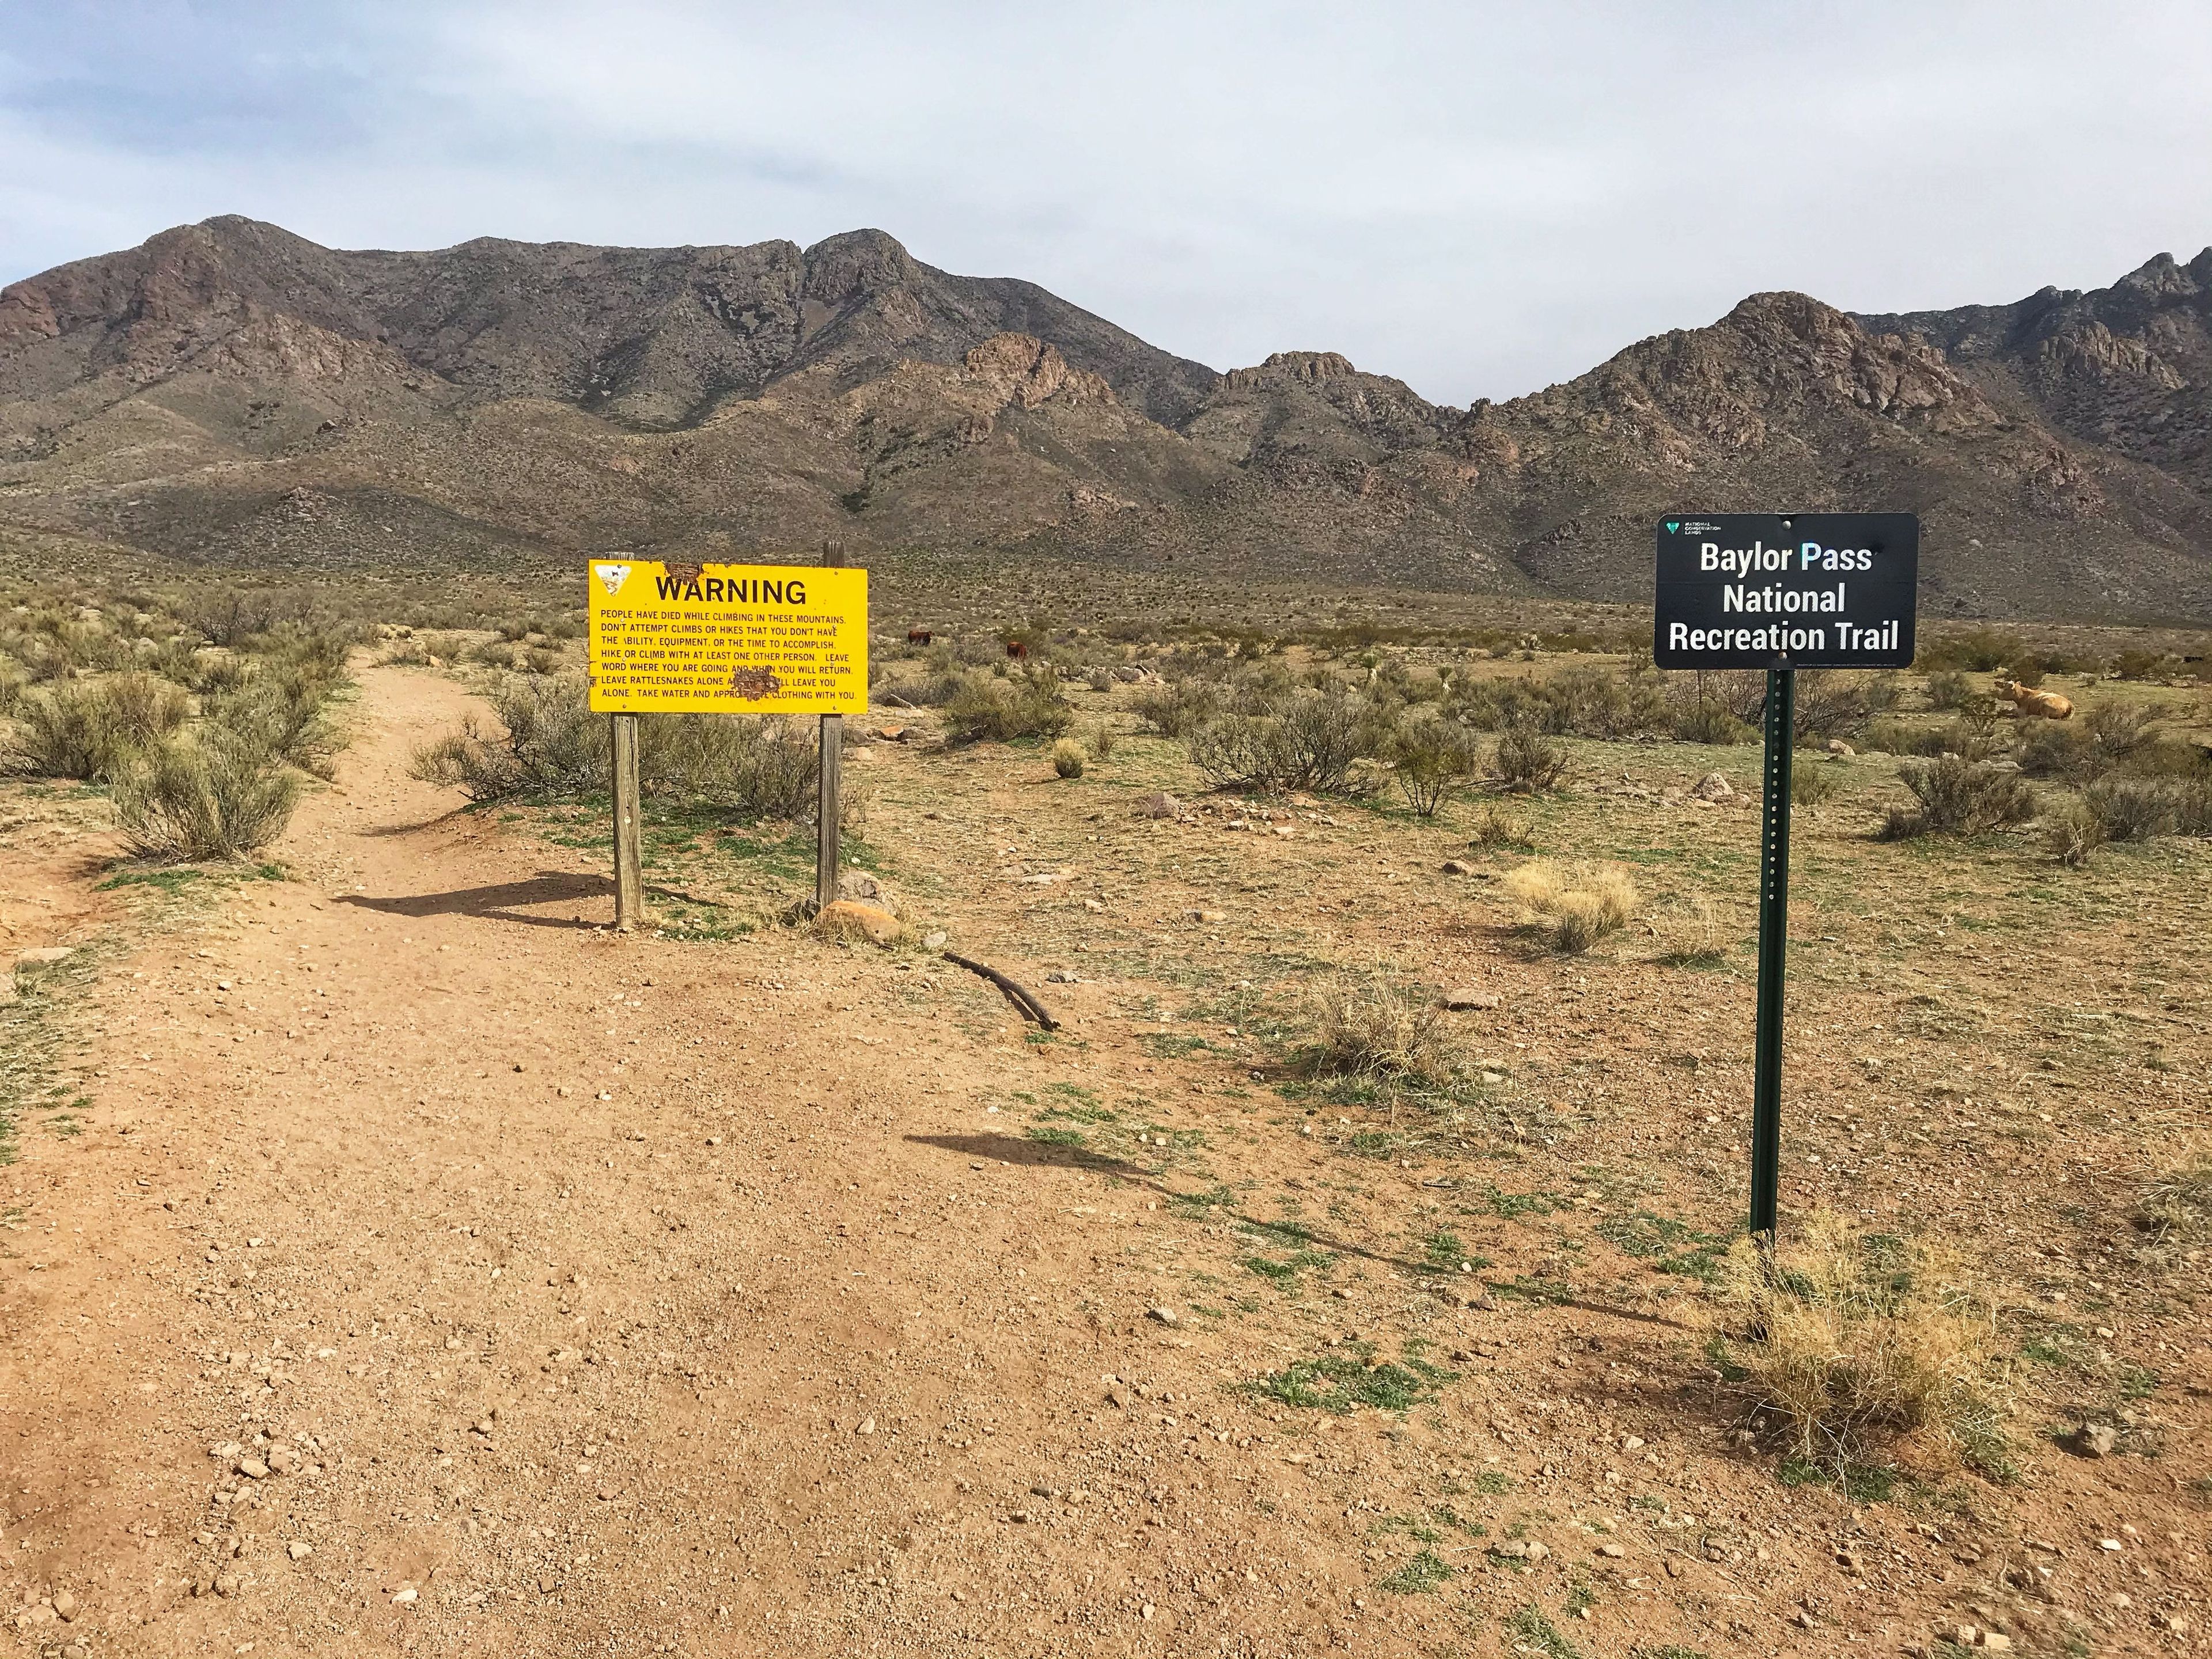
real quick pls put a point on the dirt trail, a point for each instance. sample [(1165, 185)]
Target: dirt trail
[(591, 1292), (436, 1272)]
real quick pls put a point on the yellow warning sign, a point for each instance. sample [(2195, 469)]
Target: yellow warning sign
[(727, 638)]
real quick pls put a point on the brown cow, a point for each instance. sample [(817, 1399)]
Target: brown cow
[(1018, 650), (920, 636), (2044, 705)]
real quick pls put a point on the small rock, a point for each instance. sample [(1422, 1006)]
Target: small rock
[(1712, 786), (1457, 867), (2096, 1439), (1205, 916), (1466, 998), (1611, 1552), (64, 1606), (1020, 1517), (298, 1551), (1163, 1315), (1117, 1396), (1838, 748), (1674, 1567), (932, 941), (1159, 804), (1995, 1641), (45, 955), (252, 1468), (226, 1584)]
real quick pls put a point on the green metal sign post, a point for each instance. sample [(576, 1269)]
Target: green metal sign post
[(1773, 948), (1781, 592)]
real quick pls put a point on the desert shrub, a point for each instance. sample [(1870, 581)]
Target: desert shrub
[(2122, 729), (90, 729), (1984, 650), (2192, 806), (1959, 797), (2177, 1202), (1582, 699), (2072, 832), (1099, 679), (1493, 829), (13, 681), (2062, 748), (1528, 761), (1829, 703), (1434, 754), (1101, 741), (767, 766), (1029, 703), (223, 796), (1949, 690), (1852, 1347), (1809, 786), (1301, 738), (2131, 808), (1573, 906), (550, 744), (1067, 758), (1175, 709), (1366, 1024), (2141, 665), (1708, 722), (283, 707)]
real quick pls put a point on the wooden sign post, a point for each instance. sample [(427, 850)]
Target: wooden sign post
[(725, 639)]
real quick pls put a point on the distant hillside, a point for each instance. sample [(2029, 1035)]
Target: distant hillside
[(231, 393)]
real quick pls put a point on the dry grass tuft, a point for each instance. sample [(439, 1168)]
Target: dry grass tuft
[(1365, 1025), (1573, 905), (1856, 1347), (2178, 1203), (1067, 758)]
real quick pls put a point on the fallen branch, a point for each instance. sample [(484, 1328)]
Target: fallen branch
[(1023, 1000)]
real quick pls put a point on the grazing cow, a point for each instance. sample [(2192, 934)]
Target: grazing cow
[(2044, 705), (1018, 650), (920, 636)]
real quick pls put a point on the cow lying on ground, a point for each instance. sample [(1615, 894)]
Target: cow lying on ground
[(2045, 705)]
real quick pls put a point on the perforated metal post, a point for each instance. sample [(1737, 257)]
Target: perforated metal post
[(1773, 944)]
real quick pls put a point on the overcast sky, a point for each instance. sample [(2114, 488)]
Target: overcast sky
[(1478, 197)]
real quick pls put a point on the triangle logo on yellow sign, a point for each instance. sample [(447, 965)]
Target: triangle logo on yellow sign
[(612, 577)]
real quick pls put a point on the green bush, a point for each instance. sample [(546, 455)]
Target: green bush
[(2072, 831), (91, 728), (551, 745), (1708, 722), (1958, 796), (1175, 709), (1949, 690), (1305, 737), (1029, 703), (1810, 785), (2132, 809), (1528, 761), (1067, 758), (1434, 754), (224, 797)]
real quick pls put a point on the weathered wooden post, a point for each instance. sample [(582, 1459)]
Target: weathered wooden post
[(630, 872), (829, 796)]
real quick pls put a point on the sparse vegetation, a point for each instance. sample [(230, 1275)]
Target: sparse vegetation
[(1000, 707), (1957, 797), (1434, 754), (222, 796), (2177, 1203), (1527, 762), (92, 729), (1067, 758), (1573, 906), (1366, 1024), (1850, 1347)]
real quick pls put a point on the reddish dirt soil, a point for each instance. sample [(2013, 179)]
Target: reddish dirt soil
[(633, 1295)]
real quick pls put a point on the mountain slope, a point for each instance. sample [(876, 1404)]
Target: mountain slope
[(230, 393)]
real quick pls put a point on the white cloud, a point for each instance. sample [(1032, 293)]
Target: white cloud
[(1476, 197)]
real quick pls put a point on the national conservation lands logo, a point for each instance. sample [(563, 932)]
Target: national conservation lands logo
[(612, 577)]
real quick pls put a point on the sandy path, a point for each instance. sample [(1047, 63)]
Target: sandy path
[(778, 1342)]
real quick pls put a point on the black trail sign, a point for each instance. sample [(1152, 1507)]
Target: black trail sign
[(1786, 590), (1781, 592)]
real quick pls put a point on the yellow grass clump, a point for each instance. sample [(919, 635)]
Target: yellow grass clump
[(2178, 1203), (1573, 905), (1856, 1346), (1364, 1023)]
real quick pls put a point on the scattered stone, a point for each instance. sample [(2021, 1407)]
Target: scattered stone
[(1205, 916), (1674, 1567), (1712, 786), (226, 1584), (1117, 1396), (2096, 1439), (64, 1606), (252, 1468), (932, 941), (1838, 748), (1457, 867), (298, 1551), (1611, 1552), (1159, 804), (406, 1595), (45, 956), (1467, 998), (1163, 1316), (849, 918)]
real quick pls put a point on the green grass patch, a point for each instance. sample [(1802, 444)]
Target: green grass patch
[(1531, 1632), (1342, 1382), (1862, 1483), (1419, 1576), (1670, 1246)]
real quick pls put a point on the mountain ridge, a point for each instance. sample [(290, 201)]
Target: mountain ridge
[(228, 391)]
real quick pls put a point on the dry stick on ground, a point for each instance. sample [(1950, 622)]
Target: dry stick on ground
[(1023, 1000)]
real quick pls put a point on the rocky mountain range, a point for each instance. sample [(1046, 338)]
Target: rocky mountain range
[(231, 394)]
